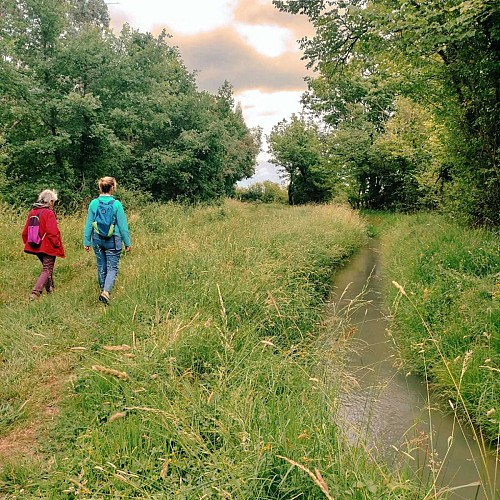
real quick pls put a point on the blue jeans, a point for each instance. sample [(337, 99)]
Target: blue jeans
[(107, 255)]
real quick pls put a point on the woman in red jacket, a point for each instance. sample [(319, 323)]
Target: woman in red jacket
[(51, 245)]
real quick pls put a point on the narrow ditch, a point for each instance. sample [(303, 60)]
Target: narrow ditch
[(387, 410)]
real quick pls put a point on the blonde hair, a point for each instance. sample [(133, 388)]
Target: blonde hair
[(46, 196), (106, 184)]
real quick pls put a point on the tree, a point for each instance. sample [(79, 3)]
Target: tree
[(89, 12), (349, 147), (241, 145), (205, 148), (78, 102), (444, 56), (296, 147), (31, 34), (48, 117), (410, 155)]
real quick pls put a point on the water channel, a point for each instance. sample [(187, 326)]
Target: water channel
[(391, 412)]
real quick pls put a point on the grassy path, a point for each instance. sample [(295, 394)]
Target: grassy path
[(198, 380)]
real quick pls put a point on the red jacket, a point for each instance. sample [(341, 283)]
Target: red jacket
[(51, 243)]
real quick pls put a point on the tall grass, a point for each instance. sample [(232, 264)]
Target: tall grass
[(197, 381), (446, 306)]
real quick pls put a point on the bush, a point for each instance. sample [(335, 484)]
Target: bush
[(265, 192)]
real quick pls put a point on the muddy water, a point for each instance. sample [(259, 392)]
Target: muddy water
[(392, 412)]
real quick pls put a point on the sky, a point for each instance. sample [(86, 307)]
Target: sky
[(246, 42)]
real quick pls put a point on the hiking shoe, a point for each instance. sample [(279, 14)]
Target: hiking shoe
[(34, 296), (104, 297)]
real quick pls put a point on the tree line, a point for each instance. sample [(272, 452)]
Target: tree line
[(403, 109), (78, 102)]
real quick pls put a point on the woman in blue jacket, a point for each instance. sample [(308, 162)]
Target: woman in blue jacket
[(107, 248)]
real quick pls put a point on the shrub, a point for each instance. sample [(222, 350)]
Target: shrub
[(265, 192)]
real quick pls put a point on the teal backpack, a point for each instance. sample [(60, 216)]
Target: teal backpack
[(104, 221)]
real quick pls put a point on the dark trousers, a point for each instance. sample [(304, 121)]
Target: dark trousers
[(45, 280)]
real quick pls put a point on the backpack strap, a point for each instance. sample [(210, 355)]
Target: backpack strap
[(112, 202), (38, 215)]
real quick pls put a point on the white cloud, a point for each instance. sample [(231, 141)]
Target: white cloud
[(267, 109), (271, 41), (264, 171), (186, 16)]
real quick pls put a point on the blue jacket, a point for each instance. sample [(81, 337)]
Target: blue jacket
[(121, 226)]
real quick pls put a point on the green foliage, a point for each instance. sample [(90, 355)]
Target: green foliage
[(407, 158), (349, 148), (78, 102), (450, 275), (465, 37), (397, 169), (265, 192), (443, 56), (296, 148)]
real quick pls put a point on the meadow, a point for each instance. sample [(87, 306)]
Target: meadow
[(204, 378)]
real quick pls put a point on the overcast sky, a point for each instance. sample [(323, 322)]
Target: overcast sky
[(247, 42)]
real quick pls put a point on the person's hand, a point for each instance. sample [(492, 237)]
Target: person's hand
[(127, 249), (86, 248)]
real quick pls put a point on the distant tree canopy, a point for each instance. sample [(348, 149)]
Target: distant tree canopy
[(297, 148), (413, 89), (78, 102)]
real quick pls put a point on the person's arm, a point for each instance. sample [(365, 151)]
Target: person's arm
[(121, 222), (87, 231), (51, 229)]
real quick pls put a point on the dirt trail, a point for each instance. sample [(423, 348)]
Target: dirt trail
[(42, 408)]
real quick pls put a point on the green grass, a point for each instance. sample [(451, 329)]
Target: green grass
[(218, 394), (448, 327)]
